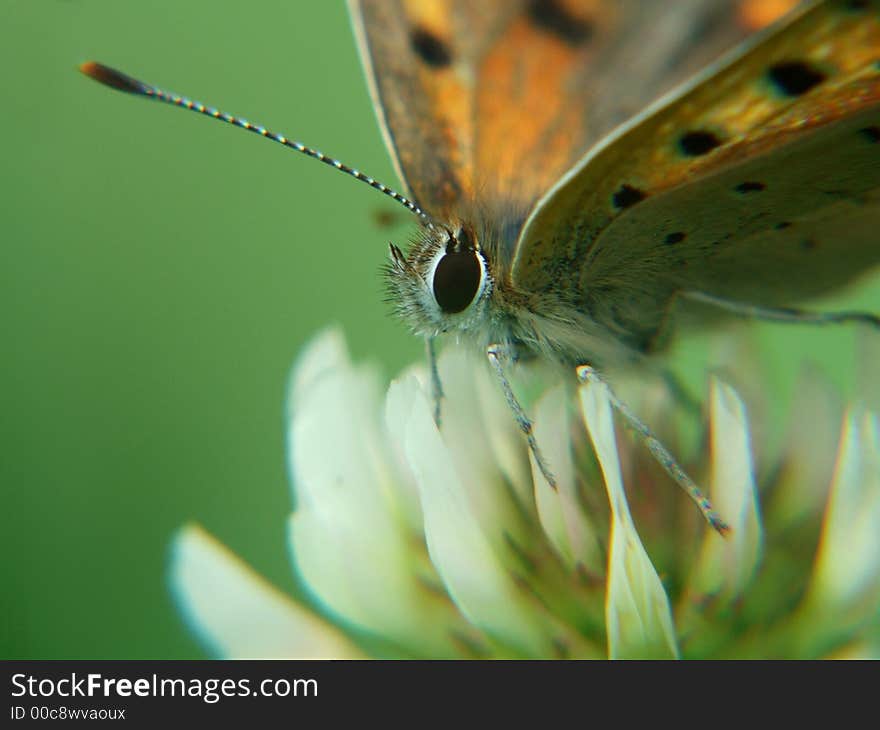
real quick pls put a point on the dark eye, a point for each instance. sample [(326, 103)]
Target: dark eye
[(456, 280)]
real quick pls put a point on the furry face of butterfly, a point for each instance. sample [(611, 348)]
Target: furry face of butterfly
[(453, 281), (444, 285)]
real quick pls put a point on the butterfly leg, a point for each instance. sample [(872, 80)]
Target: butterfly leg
[(498, 355), (436, 384), (586, 374), (783, 314)]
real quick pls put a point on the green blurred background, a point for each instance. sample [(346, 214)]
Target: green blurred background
[(159, 274)]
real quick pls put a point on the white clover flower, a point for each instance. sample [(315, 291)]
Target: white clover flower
[(414, 541)]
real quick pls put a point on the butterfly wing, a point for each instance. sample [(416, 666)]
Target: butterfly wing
[(494, 100), (759, 182)]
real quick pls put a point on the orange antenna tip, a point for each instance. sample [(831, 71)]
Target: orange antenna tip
[(112, 78)]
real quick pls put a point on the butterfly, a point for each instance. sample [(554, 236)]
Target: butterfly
[(590, 176)]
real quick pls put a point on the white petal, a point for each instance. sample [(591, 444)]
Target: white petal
[(508, 448), (325, 352), (334, 426), (466, 425), (461, 551), (847, 570), (559, 510), (398, 405), (727, 564), (350, 535), (637, 614), (238, 614)]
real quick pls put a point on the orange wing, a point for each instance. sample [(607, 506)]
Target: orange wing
[(759, 182), (493, 100)]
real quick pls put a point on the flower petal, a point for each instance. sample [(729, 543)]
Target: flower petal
[(460, 549), (846, 577), (506, 444), (559, 510), (478, 428), (239, 614), (727, 564), (351, 539), (637, 614), (398, 404), (325, 352)]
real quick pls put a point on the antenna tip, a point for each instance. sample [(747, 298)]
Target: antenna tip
[(112, 78)]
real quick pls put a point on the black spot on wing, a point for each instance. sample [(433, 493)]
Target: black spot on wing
[(552, 17), (430, 48), (794, 78), (857, 5), (626, 196), (750, 187), (782, 225), (674, 238), (698, 142), (872, 134)]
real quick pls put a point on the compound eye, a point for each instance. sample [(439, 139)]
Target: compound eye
[(456, 280)]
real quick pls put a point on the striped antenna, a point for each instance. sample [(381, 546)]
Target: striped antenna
[(122, 82)]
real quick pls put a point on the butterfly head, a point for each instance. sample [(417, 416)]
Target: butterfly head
[(443, 283)]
